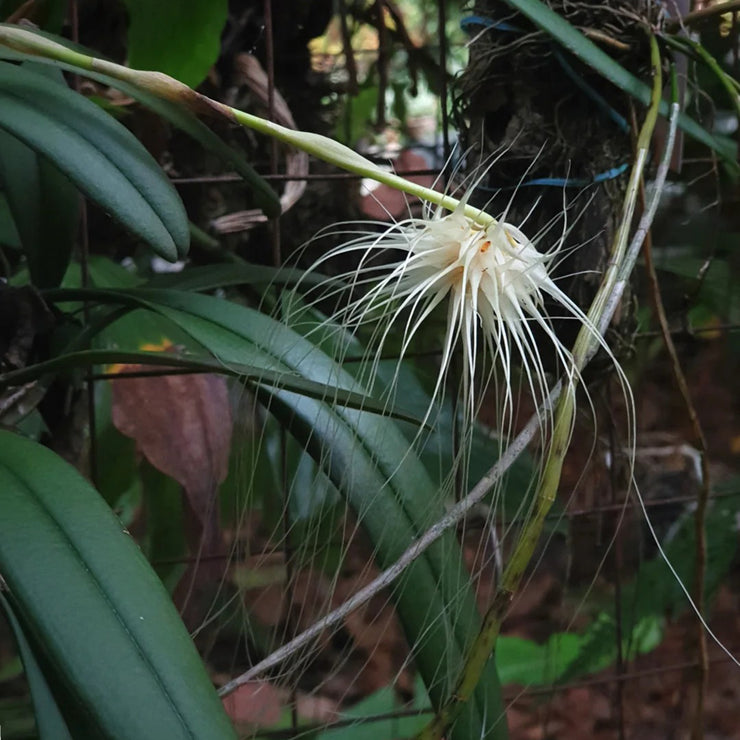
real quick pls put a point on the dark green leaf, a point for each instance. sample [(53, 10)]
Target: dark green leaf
[(210, 277), (178, 116), (189, 46), (260, 372), (183, 310), (44, 204), (8, 231), (135, 330), (571, 39), (97, 153), (84, 590), (369, 461), (49, 720)]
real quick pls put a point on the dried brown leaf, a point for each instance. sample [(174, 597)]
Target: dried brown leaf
[(182, 424)]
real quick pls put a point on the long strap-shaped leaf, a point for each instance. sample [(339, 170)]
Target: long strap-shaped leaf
[(383, 481), (97, 153), (83, 590), (49, 720), (178, 116), (43, 202)]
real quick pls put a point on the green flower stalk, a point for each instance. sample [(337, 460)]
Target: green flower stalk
[(587, 342), (487, 273), (490, 274), (168, 88)]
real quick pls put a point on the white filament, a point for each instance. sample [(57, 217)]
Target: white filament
[(493, 280)]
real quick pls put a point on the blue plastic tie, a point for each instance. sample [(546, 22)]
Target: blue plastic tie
[(620, 120), (560, 182), (480, 20), (574, 182)]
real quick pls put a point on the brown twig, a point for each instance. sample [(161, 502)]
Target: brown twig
[(25, 11), (380, 121), (702, 667), (598, 35), (408, 44), (698, 16), (349, 53)]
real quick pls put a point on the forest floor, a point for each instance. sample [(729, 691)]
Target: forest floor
[(649, 696)]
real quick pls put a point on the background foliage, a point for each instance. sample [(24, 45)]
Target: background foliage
[(141, 343)]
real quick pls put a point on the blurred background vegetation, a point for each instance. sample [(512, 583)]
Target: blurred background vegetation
[(250, 533)]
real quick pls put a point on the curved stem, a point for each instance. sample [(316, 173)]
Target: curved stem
[(697, 728), (453, 517), (347, 159), (585, 346), (164, 86)]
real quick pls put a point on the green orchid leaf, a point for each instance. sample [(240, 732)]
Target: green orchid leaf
[(191, 44), (99, 155), (572, 40), (49, 720), (82, 588)]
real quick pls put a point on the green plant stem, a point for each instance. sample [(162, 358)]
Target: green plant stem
[(171, 89), (700, 441), (571, 39), (481, 650), (727, 81)]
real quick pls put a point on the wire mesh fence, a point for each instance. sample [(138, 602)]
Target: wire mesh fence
[(598, 541), (600, 641)]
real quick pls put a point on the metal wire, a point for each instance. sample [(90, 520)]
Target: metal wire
[(576, 514), (622, 674), (510, 696)]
